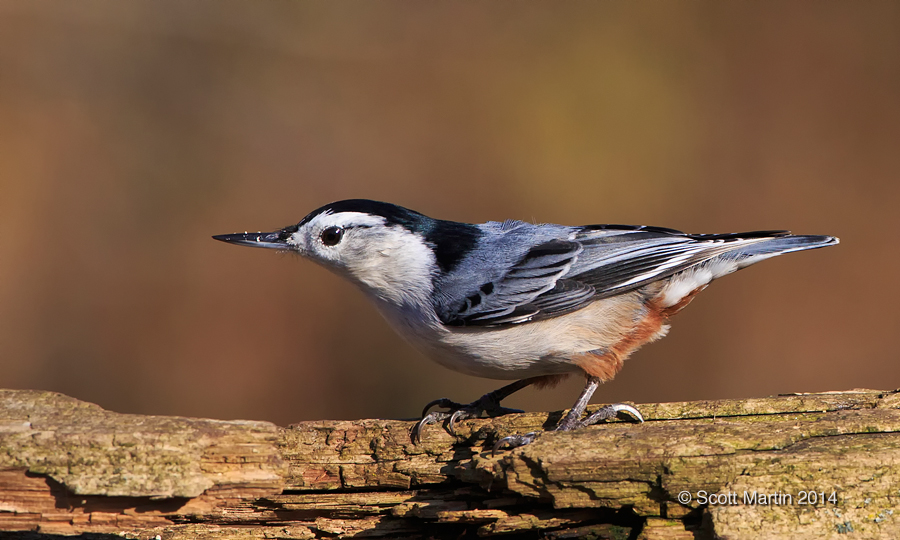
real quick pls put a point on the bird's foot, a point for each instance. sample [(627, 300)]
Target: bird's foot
[(488, 404), (569, 423), (604, 413)]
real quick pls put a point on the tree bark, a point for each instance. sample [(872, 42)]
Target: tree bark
[(800, 466)]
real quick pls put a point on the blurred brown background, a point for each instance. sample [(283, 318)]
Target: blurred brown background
[(131, 132)]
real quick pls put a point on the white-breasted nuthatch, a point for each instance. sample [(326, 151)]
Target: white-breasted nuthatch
[(516, 300)]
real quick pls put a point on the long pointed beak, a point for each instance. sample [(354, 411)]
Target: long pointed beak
[(270, 240)]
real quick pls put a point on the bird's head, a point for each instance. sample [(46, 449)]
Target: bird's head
[(388, 250)]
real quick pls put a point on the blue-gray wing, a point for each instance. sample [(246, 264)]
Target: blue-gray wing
[(531, 287), (597, 261)]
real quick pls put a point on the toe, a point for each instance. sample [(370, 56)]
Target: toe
[(611, 411), (514, 441)]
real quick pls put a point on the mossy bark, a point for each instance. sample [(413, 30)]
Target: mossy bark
[(68, 467)]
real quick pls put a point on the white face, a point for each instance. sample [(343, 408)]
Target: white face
[(388, 261), (333, 239)]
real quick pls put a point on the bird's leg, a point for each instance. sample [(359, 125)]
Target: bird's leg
[(488, 403), (573, 419)]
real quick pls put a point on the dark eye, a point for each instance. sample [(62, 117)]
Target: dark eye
[(332, 235)]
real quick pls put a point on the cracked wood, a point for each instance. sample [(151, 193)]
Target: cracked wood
[(68, 467)]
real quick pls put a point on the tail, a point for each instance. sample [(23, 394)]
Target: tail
[(777, 245), (749, 248)]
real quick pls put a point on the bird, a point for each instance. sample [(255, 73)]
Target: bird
[(513, 300)]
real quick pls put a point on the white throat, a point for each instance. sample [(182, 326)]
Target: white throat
[(397, 270)]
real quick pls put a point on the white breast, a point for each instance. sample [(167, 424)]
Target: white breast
[(523, 350)]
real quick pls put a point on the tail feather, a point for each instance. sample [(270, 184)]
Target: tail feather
[(755, 252), (680, 288)]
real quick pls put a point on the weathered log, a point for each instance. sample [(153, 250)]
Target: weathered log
[(69, 467)]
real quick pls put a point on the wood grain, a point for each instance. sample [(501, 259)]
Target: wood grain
[(69, 467)]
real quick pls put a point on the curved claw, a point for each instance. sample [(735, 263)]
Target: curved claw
[(621, 407), (430, 418), (514, 441), (458, 414)]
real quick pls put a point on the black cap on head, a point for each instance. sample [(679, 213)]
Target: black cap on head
[(392, 214)]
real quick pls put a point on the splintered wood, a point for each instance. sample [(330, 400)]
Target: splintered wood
[(803, 466)]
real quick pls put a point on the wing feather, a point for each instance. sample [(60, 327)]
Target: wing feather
[(648, 257), (512, 297)]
